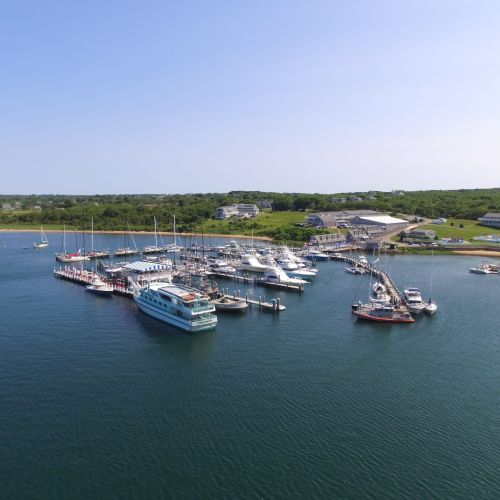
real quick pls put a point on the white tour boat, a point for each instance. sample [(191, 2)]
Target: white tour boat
[(177, 305)]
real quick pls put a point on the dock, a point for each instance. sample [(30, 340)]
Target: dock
[(251, 280), (383, 277), (85, 277)]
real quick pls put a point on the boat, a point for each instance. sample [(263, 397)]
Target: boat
[(249, 262), (275, 274), (356, 270), (430, 307), (99, 287), (220, 267), (483, 268), (317, 255), (176, 305), (71, 257), (229, 304), (413, 299), (44, 242), (384, 313), (303, 273)]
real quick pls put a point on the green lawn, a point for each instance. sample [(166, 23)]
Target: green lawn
[(261, 225), (471, 228)]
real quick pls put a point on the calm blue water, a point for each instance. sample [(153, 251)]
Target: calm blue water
[(98, 400)]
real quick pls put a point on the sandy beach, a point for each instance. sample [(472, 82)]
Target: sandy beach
[(479, 253)]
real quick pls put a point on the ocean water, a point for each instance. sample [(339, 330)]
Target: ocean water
[(98, 400)]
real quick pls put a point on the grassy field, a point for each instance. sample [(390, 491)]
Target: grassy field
[(266, 221), (470, 229)]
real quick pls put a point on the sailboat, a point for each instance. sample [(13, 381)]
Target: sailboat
[(95, 254), (430, 307), (65, 257), (44, 242)]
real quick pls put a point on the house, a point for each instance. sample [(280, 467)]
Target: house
[(242, 210), (490, 219), (6, 206)]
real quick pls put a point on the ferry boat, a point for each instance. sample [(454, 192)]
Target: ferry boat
[(177, 305), (384, 313)]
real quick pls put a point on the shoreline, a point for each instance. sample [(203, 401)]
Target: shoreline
[(163, 233), (478, 253)]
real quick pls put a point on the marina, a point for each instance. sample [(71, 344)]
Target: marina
[(335, 365)]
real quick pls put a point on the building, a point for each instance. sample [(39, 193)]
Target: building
[(422, 234), (241, 210), (490, 219), (389, 223), (328, 239), (6, 206), (333, 219)]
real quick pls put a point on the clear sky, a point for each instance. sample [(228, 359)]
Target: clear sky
[(103, 96)]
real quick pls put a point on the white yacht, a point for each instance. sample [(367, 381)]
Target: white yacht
[(177, 305), (275, 274), (483, 268), (99, 287), (221, 267), (317, 255), (413, 299), (250, 262), (71, 257), (303, 273)]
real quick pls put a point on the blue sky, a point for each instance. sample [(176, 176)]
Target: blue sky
[(313, 96)]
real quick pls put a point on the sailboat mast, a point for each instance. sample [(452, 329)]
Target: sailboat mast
[(92, 235), (156, 235)]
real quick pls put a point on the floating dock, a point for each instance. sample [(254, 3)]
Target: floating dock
[(258, 281)]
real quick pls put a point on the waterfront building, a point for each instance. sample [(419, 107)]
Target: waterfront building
[(328, 239), (490, 219), (333, 219), (389, 223)]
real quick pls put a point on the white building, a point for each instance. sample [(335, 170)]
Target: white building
[(240, 210), (390, 223), (490, 219)]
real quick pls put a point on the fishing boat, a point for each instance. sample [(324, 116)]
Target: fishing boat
[(249, 262), (413, 299), (99, 287), (44, 242), (384, 313), (275, 274), (317, 255), (176, 305)]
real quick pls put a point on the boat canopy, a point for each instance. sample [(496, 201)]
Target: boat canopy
[(145, 267)]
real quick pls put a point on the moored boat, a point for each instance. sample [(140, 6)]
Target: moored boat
[(99, 287), (383, 313), (177, 305)]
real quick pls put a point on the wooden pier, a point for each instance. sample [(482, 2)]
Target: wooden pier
[(258, 281), (85, 277), (384, 278)]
